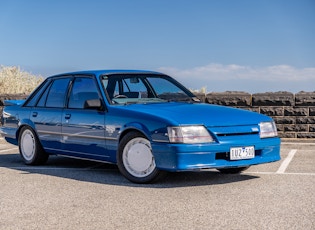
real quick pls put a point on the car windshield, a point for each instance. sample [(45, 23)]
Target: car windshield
[(144, 88)]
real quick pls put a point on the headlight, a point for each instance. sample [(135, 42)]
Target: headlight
[(268, 129), (189, 134)]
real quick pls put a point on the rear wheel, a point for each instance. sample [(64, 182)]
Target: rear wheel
[(232, 170), (135, 159), (30, 148)]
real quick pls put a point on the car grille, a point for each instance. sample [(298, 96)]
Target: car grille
[(235, 134), (234, 130)]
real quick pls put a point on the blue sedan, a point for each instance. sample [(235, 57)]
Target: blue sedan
[(145, 122)]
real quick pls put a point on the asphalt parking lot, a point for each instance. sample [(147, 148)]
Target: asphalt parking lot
[(73, 194)]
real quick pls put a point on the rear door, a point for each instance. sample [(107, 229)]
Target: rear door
[(46, 115)]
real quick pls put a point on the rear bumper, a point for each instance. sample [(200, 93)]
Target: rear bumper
[(183, 157), (9, 134)]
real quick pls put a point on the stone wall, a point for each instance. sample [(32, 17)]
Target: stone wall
[(294, 114)]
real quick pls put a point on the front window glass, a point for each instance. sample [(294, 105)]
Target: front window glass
[(144, 88), (83, 89)]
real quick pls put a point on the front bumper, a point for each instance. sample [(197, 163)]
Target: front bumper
[(184, 157)]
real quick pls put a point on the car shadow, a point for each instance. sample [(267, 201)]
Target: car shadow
[(103, 173)]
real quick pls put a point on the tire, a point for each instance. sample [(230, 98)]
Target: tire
[(30, 148), (135, 159), (232, 170)]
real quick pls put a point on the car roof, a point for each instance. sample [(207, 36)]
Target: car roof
[(107, 72)]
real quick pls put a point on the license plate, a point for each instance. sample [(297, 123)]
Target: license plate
[(241, 153)]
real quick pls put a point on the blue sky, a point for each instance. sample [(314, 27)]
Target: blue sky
[(243, 45)]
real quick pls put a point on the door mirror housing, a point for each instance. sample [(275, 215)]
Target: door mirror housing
[(93, 104)]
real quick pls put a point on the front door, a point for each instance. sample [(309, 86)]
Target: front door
[(83, 132)]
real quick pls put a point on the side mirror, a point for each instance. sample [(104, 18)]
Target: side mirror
[(93, 104)]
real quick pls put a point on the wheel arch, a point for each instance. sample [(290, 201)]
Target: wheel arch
[(25, 123), (136, 167), (135, 127)]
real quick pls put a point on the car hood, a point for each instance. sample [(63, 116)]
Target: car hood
[(205, 114)]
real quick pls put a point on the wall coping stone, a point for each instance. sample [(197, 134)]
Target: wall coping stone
[(305, 99), (281, 98)]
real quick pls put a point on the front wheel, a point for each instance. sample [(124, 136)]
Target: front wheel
[(30, 148), (232, 170), (135, 159)]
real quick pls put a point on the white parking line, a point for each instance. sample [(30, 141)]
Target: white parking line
[(286, 161), (298, 143)]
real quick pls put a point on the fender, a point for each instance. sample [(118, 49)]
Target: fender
[(135, 126)]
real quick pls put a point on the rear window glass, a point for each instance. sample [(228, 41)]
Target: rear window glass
[(57, 93), (37, 93)]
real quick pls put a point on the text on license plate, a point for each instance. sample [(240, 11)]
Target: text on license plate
[(240, 153)]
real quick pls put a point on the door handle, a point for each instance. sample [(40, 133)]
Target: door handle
[(67, 116), (34, 114)]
